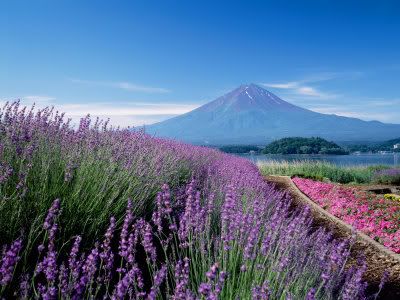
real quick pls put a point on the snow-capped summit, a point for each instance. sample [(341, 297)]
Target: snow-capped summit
[(248, 97), (252, 115)]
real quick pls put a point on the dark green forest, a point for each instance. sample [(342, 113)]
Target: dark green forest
[(300, 145), (374, 147), (239, 148)]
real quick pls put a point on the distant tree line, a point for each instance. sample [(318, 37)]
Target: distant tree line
[(313, 145), (239, 148), (300, 145), (374, 147)]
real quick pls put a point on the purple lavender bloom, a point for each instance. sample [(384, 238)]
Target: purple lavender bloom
[(389, 176), (187, 218), (40, 248), (69, 169), (256, 293), (74, 264), (213, 287), (311, 294), (384, 279), (147, 242), (265, 244), (139, 277), (90, 266), (251, 241), (24, 287), (212, 273), (219, 285), (123, 285), (354, 287), (157, 281), (49, 293), (123, 243), (243, 268), (156, 217), (261, 292), (283, 263), (205, 289), (228, 217), (9, 261), (49, 263), (181, 279), (132, 242), (106, 254), (388, 172), (5, 172), (52, 214), (325, 276), (163, 207), (89, 269), (63, 279)]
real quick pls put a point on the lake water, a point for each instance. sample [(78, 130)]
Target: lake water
[(343, 160)]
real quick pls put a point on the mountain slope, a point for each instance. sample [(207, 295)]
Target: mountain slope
[(251, 114)]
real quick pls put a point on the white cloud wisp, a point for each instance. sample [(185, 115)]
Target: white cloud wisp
[(128, 86)]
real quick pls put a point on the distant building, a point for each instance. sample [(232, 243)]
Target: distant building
[(384, 152), (396, 146)]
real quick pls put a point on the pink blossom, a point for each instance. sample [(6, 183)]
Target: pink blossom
[(373, 215)]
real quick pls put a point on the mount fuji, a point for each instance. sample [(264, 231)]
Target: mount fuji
[(252, 115)]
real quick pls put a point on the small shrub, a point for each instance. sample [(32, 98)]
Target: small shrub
[(387, 176)]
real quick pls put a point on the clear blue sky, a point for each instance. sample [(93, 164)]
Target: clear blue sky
[(142, 61)]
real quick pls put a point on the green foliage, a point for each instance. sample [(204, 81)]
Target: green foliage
[(320, 171), (388, 176), (239, 148), (388, 145), (299, 145), (374, 147)]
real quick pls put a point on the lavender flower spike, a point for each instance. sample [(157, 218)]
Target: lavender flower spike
[(52, 214), (9, 261)]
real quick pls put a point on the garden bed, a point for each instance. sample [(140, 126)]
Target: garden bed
[(378, 257), (372, 214)]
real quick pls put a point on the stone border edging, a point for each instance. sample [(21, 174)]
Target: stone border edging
[(378, 257)]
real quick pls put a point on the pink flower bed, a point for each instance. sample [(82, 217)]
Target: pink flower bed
[(373, 215)]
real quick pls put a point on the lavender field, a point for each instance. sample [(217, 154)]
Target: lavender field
[(94, 212)]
